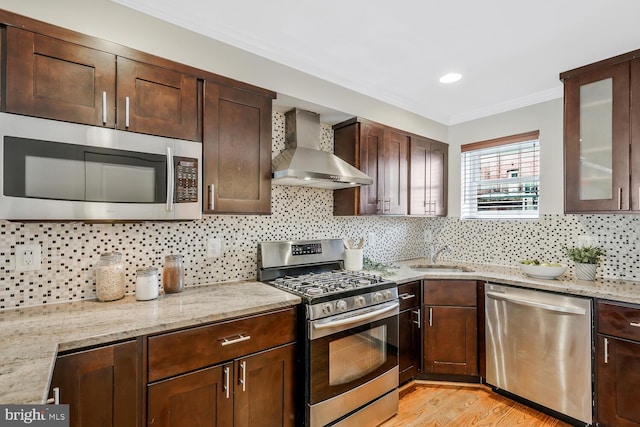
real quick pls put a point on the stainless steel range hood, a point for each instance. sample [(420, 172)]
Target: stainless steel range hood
[(302, 163)]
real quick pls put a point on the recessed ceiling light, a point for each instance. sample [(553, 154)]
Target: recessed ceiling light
[(450, 78)]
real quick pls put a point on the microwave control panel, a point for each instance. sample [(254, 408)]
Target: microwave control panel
[(186, 172)]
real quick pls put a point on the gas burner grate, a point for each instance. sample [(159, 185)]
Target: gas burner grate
[(314, 284)]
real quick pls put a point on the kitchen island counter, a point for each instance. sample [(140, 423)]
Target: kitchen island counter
[(610, 289), (32, 337)]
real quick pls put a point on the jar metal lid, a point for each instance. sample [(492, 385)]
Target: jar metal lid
[(173, 257), (110, 255), (147, 271)]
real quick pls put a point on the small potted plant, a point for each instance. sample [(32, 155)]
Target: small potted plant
[(586, 259)]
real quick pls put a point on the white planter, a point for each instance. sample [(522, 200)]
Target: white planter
[(586, 271)]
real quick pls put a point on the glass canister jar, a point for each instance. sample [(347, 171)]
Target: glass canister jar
[(173, 274), (146, 284), (110, 277)]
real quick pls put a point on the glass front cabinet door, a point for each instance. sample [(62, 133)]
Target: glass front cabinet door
[(597, 140)]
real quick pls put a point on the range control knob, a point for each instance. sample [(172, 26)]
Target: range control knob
[(378, 297), (341, 305), (327, 308), (359, 301)]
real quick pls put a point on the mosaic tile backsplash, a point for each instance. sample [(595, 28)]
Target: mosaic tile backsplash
[(71, 250)]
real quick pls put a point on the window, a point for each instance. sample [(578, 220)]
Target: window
[(500, 177)]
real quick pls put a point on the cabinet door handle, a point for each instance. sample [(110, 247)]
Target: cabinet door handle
[(226, 382), (417, 321), (126, 112), (636, 324), (619, 198), (387, 205), (243, 375), (104, 107), (606, 350), (241, 337), (211, 193), (56, 397), (430, 316)]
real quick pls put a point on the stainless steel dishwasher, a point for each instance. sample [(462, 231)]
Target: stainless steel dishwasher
[(539, 347)]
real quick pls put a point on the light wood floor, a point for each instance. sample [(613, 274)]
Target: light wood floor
[(427, 404)]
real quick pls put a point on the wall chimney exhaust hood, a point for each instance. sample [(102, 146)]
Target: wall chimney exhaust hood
[(302, 163)]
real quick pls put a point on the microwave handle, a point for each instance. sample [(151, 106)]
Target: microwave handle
[(170, 180)]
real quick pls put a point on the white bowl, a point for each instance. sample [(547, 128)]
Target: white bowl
[(542, 272)]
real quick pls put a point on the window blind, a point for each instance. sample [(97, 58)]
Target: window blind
[(500, 177)]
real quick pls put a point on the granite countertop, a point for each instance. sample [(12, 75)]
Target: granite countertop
[(32, 337), (610, 289)]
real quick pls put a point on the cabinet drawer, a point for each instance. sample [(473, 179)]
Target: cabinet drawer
[(409, 295), (619, 320), (459, 293), (183, 351)]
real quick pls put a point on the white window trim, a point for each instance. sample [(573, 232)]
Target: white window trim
[(469, 205)]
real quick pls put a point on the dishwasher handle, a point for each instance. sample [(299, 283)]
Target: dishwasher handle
[(536, 304)]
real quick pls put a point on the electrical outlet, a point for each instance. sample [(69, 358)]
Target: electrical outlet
[(428, 235), (214, 248), (28, 257), (372, 239)]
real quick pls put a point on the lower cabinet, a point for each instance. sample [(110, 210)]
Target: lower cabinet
[(234, 373), (450, 327), (102, 386), (409, 332), (253, 391), (618, 365)]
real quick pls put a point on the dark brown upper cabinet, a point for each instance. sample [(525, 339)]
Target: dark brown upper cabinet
[(381, 153), (56, 79), (157, 101), (428, 177), (602, 136), (237, 150)]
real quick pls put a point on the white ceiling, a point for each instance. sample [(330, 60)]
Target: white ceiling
[(509, 52)]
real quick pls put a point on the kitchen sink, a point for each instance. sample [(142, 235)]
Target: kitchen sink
[(439, 268)]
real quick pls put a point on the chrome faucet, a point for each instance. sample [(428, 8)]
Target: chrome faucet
[(433, 253)]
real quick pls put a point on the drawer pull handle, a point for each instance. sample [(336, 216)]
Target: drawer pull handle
[(406, 296), (241, 337), (636, 324)]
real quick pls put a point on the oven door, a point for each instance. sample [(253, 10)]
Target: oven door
[(351, 349)]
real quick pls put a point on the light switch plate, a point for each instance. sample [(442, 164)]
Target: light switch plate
[(28, 257)]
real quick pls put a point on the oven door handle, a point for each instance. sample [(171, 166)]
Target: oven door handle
[(356, 319)]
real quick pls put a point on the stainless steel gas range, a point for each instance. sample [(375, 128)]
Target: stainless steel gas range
[(348, 333)]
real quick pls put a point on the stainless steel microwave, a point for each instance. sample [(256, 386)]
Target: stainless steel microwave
[(54, 170)]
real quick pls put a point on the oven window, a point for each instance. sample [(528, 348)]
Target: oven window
[(354, 356)]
